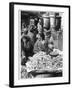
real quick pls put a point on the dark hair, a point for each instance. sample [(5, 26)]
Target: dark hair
[(26, 37), (42, 35)]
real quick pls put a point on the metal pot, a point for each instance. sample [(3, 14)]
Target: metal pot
[(46, 21)]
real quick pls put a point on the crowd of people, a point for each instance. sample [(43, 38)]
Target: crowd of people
[(35, 38)]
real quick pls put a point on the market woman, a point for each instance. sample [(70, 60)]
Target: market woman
[(27, 48), (39, 45)]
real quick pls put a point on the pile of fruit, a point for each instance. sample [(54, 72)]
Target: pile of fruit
[(42, 61)]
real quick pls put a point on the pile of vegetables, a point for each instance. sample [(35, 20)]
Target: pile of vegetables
[(42, 61)]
